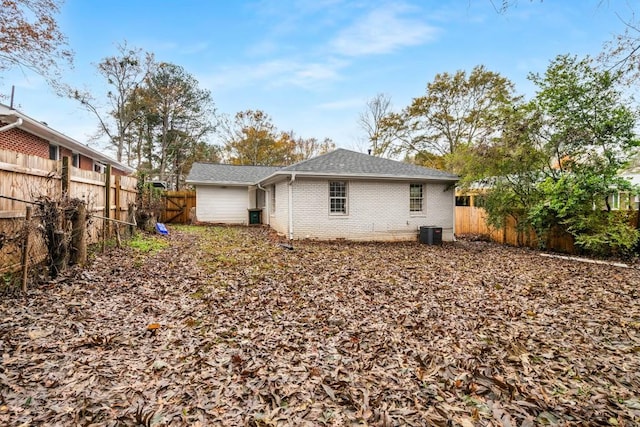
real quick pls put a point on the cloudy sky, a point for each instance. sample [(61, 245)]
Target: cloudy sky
[(312, 64)]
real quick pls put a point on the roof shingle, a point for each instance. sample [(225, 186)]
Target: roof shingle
[(228, 174), (342, 161)]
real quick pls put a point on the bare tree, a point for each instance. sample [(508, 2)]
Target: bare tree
[(30, 37), (123, 74), (370, 121)]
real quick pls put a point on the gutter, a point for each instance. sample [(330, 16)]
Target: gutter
[(291, 181), (381, 177), (15, 124)]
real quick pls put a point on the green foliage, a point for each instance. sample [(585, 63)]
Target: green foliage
[(458, 110), (147, 243), (608, 233), (588, 135), (556, 159), (579, 205)]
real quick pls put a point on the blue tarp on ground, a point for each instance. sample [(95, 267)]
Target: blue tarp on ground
[(160, 228)]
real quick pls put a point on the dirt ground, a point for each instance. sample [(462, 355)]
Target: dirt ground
[(228, 327)]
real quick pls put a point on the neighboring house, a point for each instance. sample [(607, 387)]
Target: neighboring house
[(226, 193), (21, 133), (339, 195)]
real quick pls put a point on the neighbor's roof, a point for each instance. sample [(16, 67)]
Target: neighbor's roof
[(34, 127), (212, 173), (346, 163)]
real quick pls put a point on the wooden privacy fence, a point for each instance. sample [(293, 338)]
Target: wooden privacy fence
[(177, 206), (27, 178), (473, 220)]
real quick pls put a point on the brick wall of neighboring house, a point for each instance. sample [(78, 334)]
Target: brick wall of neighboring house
[(115, 171), (23, 142), (65, 152), (18, 140)]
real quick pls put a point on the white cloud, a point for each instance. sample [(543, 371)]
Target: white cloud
[(342, 104), (275, 73), (381, 31)]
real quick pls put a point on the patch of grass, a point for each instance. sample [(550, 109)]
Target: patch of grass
[(195, 229), (147, 243)]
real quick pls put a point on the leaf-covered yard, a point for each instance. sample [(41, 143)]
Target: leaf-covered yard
[(226, 327)]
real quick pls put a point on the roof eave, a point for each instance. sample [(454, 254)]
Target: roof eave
[(43, 131), (273, 177), (220, 183)]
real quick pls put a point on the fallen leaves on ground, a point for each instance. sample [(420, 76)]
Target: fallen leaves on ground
[(225, 327)]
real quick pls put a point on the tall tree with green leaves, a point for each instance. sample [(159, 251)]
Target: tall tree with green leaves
[(179, 115), (508, 168), (458, 110), (588, 134)]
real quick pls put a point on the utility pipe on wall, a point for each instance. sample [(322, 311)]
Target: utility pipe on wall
[(291, 181), (267, 205)]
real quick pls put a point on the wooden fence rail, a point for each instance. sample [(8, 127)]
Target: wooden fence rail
[(27, 178)]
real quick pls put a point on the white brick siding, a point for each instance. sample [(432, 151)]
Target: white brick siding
[(377, 210), (279, 220), (222, 204)]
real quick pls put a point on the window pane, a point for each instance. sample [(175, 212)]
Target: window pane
[(338, 197), (415, 197), (53, 152), (415, 190)]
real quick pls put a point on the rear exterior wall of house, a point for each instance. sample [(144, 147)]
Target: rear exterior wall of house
[(376, 210), (279, 214)]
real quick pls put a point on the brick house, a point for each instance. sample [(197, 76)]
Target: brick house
[(23, 134), (339, 195)]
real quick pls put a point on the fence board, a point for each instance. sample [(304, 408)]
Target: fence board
[(472, 220), (28, 177), (177, 205)]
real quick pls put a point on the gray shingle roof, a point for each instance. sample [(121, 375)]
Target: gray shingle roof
[(228, 174), (348, 162), (339, 162)]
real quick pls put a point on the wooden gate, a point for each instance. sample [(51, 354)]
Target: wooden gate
[(177, 206)]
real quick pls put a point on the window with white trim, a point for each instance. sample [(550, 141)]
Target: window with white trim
[(99, 167), (415, 197), (75, 160), (338, 197)]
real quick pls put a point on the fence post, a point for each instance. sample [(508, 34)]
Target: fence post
[(131, 217), (107, 205), (79, 236), (25, 250), (118, 197), (66, 177)]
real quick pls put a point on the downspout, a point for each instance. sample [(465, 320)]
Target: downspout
[(267, 204), (291, 181), (17, 123)]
